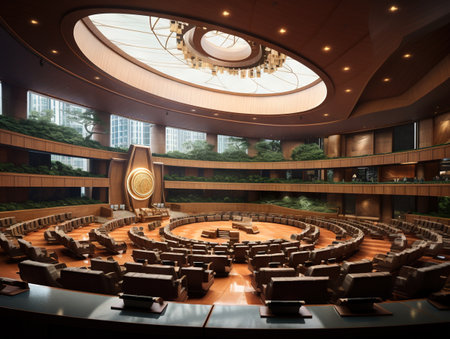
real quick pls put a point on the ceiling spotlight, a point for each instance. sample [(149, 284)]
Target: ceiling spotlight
[(226, 13), (325, 114), (348, 90), (193, 110), (254, 118), (407, 56), (34, 22), (326, 48), (386, 79), (282, 30), (97, 78), (54, 51), (393, 9), (216, 114), (346, 68)]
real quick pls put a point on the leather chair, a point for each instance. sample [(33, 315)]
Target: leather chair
[(155, 285), (199, 280), (152, 257), (40, 273), (264, 274), (312, 290), (82, 279)]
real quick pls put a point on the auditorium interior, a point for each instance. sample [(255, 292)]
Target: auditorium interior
[(225, 168)]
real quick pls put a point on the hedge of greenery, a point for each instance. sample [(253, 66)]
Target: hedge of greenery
[(50, 131), (443, 210), (56, 168), (12, 206), (300, 203), (267, 151), (260, 179)]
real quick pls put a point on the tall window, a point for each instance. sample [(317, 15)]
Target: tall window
[(176, 138), (225, 142), (58, 112), (126, 132)]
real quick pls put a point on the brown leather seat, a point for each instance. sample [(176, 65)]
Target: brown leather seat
[(264, 274), (198, 279), (220, 264), (155, 285), (80, 279), (40, 273), (312, 290)]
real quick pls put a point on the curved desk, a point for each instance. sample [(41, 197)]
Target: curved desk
[(57, 313)]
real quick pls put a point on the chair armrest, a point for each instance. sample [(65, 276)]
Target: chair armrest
[(60, 265), (182, 281)]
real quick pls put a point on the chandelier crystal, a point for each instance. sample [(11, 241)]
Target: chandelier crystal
[(261, 59)]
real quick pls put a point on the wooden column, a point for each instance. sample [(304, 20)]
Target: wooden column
[(158, 136), (212, 140), (14, 101), (104, 135)]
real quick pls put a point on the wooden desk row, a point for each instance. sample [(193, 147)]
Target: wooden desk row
[(52, 312)]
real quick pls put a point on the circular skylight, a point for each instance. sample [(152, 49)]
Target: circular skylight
[(225, 46), (151, 42)]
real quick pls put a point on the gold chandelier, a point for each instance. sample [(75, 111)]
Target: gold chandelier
[(262, 58)]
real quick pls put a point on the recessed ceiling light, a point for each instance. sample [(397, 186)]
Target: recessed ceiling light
[(204, 28), (386, 79), (348, 90), (325, 114), (254, 118), (226, 13), (216, 114), (326, 48), (393, 9), (193, 110), (34, 22), (346, 68), (97, 78), (407, 56), (282, 30), (54, 51)]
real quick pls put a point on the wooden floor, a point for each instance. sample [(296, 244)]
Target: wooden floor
[(234, 289)]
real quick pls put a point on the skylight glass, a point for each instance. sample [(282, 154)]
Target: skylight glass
[(150, 41)]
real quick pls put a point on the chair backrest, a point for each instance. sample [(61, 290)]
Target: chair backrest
[(313, 290), (155, 285), (152, 257), (361, 266), (40, 273), (80, 279), (106, 266), (266, 273), (373, 284), (331, 271)]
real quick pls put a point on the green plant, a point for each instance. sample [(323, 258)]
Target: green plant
[(307, 152), (50, 131)]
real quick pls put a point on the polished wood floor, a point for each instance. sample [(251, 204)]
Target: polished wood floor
[(234, 289)]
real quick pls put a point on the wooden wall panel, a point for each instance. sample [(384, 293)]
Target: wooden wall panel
[(158, 171), (359, 144), (116, 175), (425, 133), (333, 149), (383, 141), (441, 131), (368, 206)]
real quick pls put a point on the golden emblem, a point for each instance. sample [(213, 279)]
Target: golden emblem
[(141, 183)]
